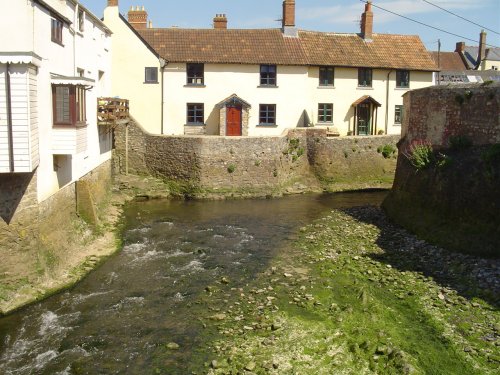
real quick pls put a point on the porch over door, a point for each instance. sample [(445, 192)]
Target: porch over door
[(233, 121)]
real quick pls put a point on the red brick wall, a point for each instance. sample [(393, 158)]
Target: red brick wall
[(434, 114)]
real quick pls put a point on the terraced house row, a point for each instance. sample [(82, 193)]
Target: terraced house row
[(256, 82)]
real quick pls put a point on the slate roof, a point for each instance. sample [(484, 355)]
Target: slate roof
[(449, 61), (270, 46)]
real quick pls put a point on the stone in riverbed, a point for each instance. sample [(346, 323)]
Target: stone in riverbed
[(218, 317), (172, 346), (250, 366)]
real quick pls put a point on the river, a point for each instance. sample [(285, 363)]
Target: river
[(119, 318)]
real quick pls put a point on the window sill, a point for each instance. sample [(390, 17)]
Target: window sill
[(325, 87), (79, 33), (402, 88), (58, 43), (365, 88), (267, 87), (195, 124), (151, 83), (266, 126), (396, 124), (324, 123), (195, 85), (66, 126)]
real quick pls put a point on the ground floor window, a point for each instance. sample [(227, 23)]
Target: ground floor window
[(267, 114), (69, 104), (398, 114), (195, 114), (325, 112)]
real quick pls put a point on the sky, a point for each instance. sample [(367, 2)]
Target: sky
[(331, 15)]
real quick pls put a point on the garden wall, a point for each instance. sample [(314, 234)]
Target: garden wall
[(301, 160)]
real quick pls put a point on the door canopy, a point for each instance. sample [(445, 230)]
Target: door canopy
[(366, 99), (234, 101)]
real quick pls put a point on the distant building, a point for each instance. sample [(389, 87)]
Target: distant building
[(468, 64), (224, 81)]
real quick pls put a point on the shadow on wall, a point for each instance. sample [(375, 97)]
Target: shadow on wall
[(213, 121), (13, 187), (63, 169)]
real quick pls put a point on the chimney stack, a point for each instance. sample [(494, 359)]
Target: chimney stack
[(220, 21), (112, 3), (482, 48), (288, 13), (460, 47), (138, 18), (367, 22)]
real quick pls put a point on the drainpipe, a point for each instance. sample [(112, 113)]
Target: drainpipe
[(163, 64), (9, 119), (387, 103)]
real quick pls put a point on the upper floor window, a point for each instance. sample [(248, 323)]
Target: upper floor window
[(195, 114), (325, 112), (398, 114), (267, 114), (151, 75), (326, 74), (268, 75), (81, 21), (56, 30), (365, 77), (403, 78), (69, 103), (195, 74)]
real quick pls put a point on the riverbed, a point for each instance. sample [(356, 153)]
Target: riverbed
[(142, 310)]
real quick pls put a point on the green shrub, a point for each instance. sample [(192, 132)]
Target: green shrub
[(419, 154), (231, 168), (387, 150), (459, 142)]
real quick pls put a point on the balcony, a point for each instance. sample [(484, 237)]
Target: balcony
[(112, 111)]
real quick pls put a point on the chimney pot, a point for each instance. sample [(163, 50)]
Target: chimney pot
[(220, 21), (367, 22), (112, 3), (138, 18)]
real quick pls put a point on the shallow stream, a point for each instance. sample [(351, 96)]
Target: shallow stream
[(119, 318)]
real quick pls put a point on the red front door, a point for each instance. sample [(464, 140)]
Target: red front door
[(233, 121)]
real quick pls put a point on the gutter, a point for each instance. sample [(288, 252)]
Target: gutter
[(9, 119), (387, 102), (163, 64)]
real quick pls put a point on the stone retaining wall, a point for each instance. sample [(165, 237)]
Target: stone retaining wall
[(454, 200), (37, 239), (302, 160)]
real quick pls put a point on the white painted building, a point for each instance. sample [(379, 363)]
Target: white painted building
[(55, 61), (224, 81)]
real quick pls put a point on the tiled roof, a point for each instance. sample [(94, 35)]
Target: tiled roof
[(239, 46), (270, 46), (449, 60), (384, 51)]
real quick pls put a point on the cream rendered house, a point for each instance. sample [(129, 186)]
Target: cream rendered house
[(261, 82), (51, 73)]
